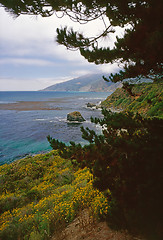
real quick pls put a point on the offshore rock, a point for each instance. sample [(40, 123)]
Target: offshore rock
[(91, 105), (75, 116)]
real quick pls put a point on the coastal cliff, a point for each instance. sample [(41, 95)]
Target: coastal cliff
[(147, 99)]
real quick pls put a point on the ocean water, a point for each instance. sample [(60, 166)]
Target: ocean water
[(24, 132)]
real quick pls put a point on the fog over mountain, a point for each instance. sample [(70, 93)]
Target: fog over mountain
[(86, 83)]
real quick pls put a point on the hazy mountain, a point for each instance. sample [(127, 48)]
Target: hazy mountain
[(87, 83)]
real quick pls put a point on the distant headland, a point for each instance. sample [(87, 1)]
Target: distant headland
[(86, 83)]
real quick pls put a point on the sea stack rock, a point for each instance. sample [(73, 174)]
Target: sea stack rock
[(75, 116), (91, 105)]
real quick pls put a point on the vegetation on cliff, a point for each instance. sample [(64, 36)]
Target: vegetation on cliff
[(126, 159), (146, 99), (41, 194)]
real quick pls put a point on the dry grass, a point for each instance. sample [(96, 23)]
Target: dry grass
[(85, 227)]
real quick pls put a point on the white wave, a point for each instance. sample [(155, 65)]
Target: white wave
[(41, 119), (95, 98), (60, 119), (73, 122), (98, 126)]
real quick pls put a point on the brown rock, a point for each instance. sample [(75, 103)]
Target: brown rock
[(75, 116)]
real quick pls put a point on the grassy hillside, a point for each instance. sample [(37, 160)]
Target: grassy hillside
[(148, 99), (43, 193)]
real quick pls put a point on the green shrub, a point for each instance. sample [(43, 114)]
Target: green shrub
[(127, 160), (36, 236), (50, 202), (33, 194)]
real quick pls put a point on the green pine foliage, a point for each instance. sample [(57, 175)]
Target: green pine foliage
[(127, 157), (127, 160), (139, 49)]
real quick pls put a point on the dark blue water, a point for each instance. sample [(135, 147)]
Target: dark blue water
[(25, 132)]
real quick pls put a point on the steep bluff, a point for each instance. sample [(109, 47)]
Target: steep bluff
[(147, 99)]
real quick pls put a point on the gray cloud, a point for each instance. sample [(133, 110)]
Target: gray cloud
[(30, 41)]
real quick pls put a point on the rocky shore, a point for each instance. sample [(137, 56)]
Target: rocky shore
[(100, 106)]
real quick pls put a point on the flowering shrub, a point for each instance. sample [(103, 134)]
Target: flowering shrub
[(41, 193)]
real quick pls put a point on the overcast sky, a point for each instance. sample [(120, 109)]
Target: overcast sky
[(30, 59)]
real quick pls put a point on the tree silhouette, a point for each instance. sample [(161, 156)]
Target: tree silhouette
[(127, 160), (140, 49)]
